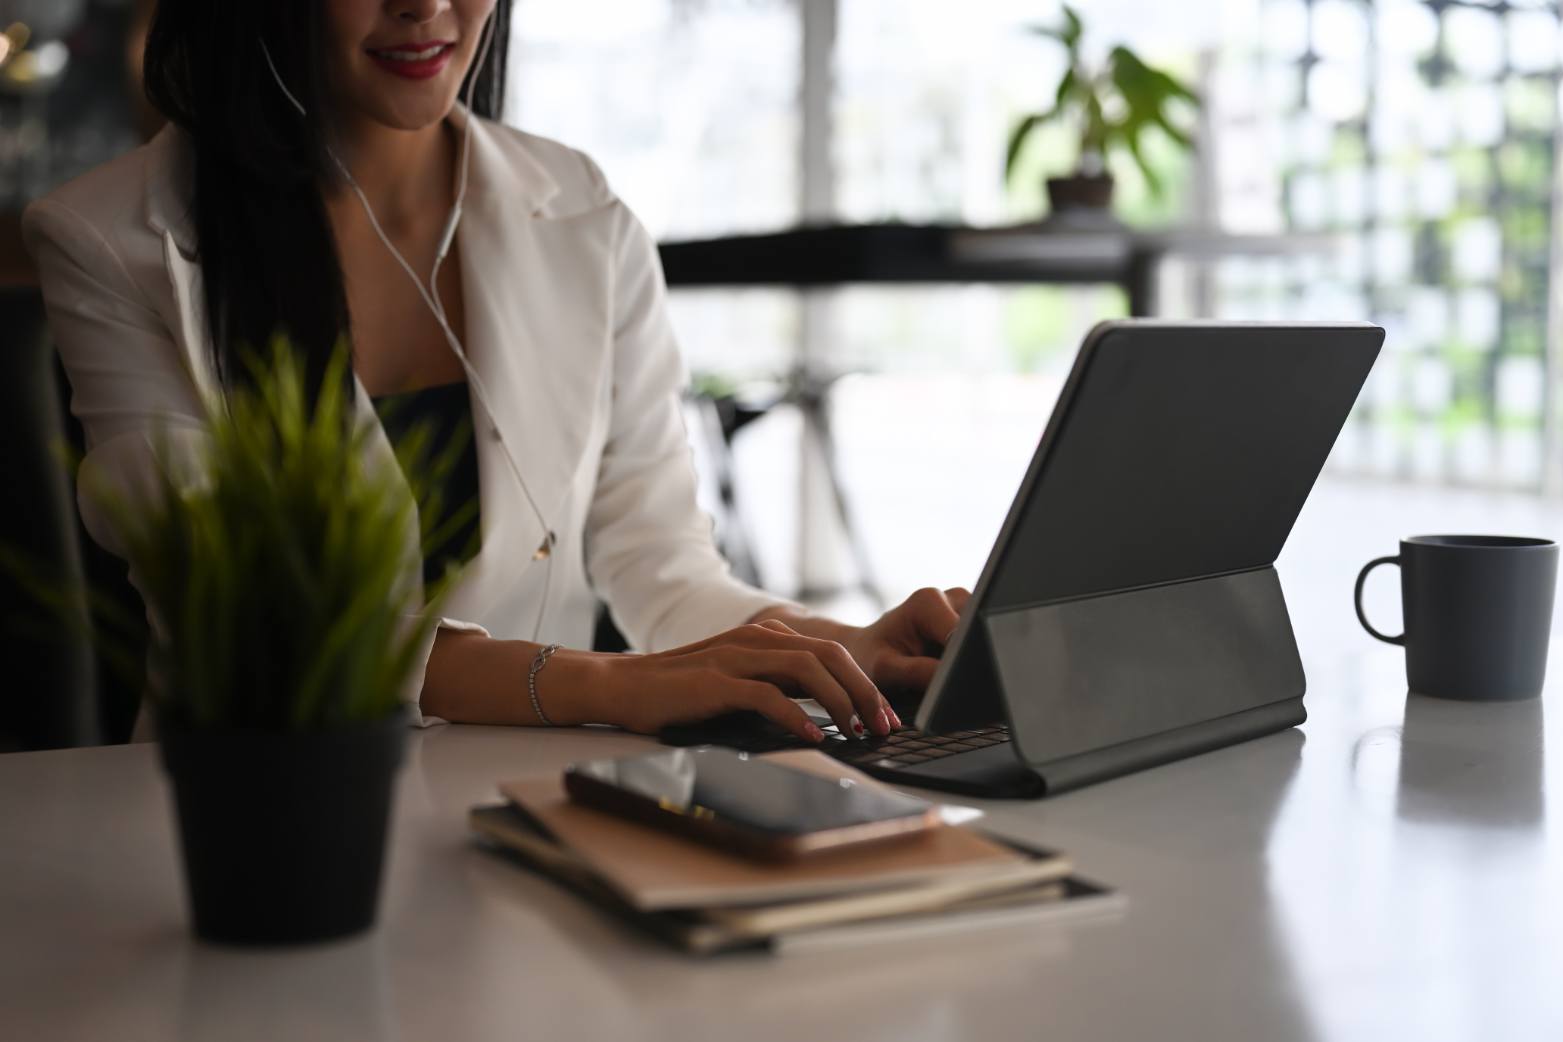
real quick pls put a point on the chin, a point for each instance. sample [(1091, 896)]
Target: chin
[(420, 121), (412, 114)]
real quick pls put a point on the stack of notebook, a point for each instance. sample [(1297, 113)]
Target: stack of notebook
[(703, 900)]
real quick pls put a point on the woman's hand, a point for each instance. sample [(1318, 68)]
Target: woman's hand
[(761, 666), (901, 650)]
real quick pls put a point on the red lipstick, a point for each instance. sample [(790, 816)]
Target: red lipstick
[(414, 61)]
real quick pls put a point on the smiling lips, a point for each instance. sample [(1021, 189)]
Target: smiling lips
[(417, 61)]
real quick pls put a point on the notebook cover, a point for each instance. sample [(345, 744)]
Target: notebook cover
[(652, 869), (509, 832)]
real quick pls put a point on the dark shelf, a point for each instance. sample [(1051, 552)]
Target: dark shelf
[(1087, 251)]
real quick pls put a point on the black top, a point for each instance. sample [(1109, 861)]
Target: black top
[(447, 465)]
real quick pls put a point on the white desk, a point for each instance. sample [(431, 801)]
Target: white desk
[(1391, 871)]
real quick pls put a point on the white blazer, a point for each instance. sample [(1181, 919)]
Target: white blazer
[(566, 326)]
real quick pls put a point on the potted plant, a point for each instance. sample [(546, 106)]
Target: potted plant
[(286, 625), (1109, 107)]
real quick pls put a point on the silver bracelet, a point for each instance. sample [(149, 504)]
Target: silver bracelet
[(531, 680)]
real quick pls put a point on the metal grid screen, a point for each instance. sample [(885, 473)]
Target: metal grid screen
[(1424, 134)]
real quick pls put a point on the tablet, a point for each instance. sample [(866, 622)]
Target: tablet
[(1176, 461)]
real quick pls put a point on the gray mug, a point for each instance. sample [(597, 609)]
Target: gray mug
[(1478, 614)]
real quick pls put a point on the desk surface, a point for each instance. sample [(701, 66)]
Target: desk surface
[(1389, 871)]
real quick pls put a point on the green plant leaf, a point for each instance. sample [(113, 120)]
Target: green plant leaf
[(284, 575), (1152, 178), (1074, 29), (1069, 85), (1068, 33), (1146, 94), (1017, 140)]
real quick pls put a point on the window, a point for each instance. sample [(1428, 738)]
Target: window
[(1424, 133)]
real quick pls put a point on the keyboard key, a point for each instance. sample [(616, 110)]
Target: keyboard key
[(903, 749)]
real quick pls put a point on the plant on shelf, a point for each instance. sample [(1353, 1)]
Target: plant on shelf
[(1109, 107), (287, 621)]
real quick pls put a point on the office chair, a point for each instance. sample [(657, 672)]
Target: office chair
[(60, 692)]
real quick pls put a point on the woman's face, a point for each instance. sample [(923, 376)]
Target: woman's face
[(401, 63)]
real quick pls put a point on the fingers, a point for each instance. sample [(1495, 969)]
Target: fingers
[(866, 699), (768, 700), (958, 596), (895, 718), (803, 672), (823, 670), (933, 614)]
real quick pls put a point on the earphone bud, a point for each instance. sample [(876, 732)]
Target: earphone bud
[(430, 293)]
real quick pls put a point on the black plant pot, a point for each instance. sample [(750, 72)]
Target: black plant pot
[(1080, 193), (283, 834)]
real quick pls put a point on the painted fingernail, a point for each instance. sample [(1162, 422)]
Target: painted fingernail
[(813, 732), (895, 718), (856, 725), (881, 723)]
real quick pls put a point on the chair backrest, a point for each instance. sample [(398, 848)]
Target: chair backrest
[(59, 690)]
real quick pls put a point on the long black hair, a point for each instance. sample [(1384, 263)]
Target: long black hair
[(269, 261)]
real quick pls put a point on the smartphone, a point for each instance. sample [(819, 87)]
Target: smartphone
[(745, 805)]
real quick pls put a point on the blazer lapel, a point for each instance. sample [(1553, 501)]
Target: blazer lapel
[(167, 213), (189, 327), (537, 295)]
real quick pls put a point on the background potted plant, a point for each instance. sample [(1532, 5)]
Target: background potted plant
[(286, 624), (1109, 107)]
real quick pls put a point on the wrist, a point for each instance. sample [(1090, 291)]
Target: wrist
[(570, 688)]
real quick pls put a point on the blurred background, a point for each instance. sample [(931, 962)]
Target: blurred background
[(1388, 160), (1418, 136)]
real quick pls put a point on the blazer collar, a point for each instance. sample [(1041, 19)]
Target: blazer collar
[(510, 173), (169, 204)]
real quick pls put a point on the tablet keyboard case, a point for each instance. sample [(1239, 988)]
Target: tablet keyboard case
[(1131, 613)]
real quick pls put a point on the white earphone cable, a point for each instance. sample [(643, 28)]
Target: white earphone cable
[(430, 295)]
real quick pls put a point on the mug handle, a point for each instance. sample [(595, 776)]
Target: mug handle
[(1362, 577)]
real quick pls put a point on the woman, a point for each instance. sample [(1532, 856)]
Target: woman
[(316, 162)]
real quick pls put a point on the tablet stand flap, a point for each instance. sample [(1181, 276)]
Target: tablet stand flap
[(1105, 685)]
